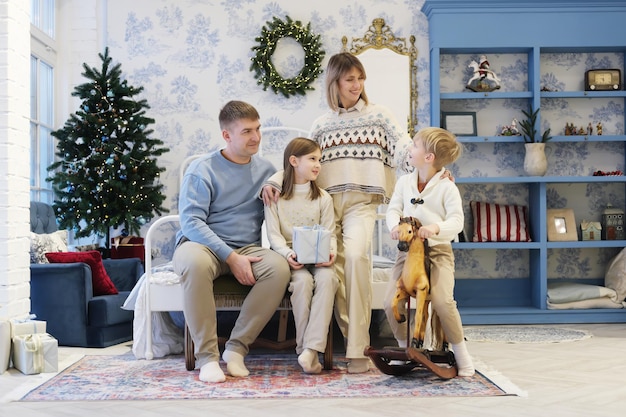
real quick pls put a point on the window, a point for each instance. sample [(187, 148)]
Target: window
[(42, 63)]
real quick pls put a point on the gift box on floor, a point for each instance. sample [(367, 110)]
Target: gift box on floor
[(29, 326), (35, 353), (127, 247), (311, 244), (5, 345)]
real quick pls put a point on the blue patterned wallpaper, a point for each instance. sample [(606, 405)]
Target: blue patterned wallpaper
[(192, 56)]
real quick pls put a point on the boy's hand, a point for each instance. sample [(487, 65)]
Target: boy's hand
[(425, 232), (394, 233)]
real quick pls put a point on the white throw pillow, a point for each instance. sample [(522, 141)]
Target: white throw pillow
[(615, 277), (42, 243)]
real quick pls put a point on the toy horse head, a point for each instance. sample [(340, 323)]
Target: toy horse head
[(407, 231)]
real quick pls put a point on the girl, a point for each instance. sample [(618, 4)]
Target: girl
[(303, 203)]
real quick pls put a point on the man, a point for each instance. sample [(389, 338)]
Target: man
[(221, 218)]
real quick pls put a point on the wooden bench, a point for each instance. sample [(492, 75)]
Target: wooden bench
[(229, 296)]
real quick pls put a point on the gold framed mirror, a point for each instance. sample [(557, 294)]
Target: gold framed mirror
[(390, 63)]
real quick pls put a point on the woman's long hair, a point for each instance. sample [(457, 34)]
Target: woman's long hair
[(297, 147), (337, 66)]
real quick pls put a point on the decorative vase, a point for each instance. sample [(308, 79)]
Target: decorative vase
[(535, 161)]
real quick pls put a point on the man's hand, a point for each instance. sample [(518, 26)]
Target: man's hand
[(269, 194), (241, 267)]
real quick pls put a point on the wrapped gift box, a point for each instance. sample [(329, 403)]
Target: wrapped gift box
[(127, 247), (20, 327), (311, 244), (35, 353), (5, 345)]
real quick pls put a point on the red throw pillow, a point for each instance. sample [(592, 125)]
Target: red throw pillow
[(102, 284)]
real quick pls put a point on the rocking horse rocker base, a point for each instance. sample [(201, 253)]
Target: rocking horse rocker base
[(414, 282), (413, 358)]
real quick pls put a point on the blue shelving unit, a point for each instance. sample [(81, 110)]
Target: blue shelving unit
[(532, 30)]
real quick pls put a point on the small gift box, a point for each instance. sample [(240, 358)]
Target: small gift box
[(5, 345), (35, 353), (311, 244), (28, 326), (127, 247)]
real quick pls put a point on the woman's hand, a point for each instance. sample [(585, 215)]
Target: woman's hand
[(447, 174)]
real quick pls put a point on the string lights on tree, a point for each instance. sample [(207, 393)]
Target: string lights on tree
[(106, 174)]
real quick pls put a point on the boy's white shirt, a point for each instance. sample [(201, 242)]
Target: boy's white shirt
[(442, 206)]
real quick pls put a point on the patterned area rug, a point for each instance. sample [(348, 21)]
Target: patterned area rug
[(99, 378), (523, 334)]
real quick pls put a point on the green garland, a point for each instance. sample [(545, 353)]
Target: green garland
[(266, 74)]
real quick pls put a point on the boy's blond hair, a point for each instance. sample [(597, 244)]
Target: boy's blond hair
[(442, 143)]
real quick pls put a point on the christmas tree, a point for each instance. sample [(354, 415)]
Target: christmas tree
[(106, 175)]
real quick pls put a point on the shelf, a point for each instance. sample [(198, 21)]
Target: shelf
[(582, 94), (587, 244), (496, 245), (560, 139), (530, 315), (548, 179), (491, 94)]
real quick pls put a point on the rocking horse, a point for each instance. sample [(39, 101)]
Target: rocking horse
[(414, 282)]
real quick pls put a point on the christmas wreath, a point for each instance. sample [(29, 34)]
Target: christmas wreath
[(266, 74)]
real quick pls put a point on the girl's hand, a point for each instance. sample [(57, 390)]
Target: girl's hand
[(293, 264), (269, 194), (330, 262)]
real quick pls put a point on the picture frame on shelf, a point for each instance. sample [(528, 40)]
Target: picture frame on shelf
[(459, 123), (561, 225)]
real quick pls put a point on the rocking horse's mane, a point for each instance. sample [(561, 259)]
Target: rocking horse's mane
[(410, 220)]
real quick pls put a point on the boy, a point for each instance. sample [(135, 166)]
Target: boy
[(436, 203)]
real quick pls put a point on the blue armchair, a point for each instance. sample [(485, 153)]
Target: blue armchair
[(62, 295)]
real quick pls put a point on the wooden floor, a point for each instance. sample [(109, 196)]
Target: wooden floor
[(586, 378)]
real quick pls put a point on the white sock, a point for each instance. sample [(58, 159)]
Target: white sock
[(464, 362), (310, 362), (211, 372), (234, 364), (358, 365), (403, 343)]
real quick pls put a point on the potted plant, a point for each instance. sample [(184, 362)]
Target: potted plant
[(529, 130), (535, 161)]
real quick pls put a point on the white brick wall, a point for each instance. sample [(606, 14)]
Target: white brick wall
[(14, 157), (81, 35)]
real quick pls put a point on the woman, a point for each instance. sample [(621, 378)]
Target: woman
[(362, 144)]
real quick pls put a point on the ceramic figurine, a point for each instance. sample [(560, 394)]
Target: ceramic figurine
[(483, 78)]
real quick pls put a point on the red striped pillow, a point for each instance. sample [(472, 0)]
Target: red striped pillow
[(499, 223)]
